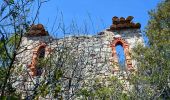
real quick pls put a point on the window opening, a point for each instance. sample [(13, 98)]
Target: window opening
[(41, 55), (120, 55)]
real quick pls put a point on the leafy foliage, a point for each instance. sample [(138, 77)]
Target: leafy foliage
[(13, 24), (154, 59), (107, 88)]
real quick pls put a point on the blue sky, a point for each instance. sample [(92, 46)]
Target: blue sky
[(96, 13)]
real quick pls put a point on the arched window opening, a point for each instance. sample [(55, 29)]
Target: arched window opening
[(41, 53), (120, 52), (40, 59), (120, 55)]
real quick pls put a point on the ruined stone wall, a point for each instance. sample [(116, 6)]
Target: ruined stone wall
[(94, 56), (81, 58), (97, 48)]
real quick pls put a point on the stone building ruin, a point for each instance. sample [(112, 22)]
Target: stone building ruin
[(93, 55)]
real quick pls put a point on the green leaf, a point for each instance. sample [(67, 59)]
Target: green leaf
[(11, 2)]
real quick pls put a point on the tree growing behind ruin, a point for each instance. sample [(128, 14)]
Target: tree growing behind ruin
[(153, 78)]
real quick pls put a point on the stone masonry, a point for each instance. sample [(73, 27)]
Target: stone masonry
[(95, 55)]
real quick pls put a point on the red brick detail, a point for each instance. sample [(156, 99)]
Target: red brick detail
[(37, 30), (122, 23), (32, 66), (125, 45)]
